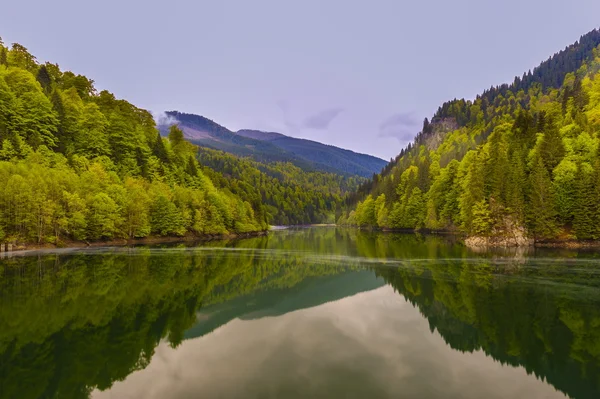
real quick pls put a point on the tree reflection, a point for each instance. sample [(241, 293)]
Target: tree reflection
[(78, 321)]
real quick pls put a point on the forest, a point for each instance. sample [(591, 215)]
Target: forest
[(281, 192), (78, 164), (519, 159)]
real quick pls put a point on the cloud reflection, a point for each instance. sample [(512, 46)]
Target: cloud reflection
[(373, 344)]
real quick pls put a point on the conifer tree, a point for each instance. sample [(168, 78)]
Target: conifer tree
[(583, 220), (3, 56), (552, 148), (594, 214), (44, 78), (541, 214), (191, 167), (159, 149), (175, 135)]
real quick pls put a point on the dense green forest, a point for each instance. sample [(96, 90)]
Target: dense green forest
[(82, 165), (521, 159), (78, 164), (280, 192)]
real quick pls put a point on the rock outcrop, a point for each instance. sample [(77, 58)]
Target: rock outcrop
[(507, 234)]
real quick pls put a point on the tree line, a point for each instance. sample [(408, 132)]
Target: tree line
[(280, 192), (77, 164), (526, 161)]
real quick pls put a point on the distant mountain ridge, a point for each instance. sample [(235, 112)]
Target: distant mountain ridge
[(273, 147)]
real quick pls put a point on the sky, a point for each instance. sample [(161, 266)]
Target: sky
[(360, 75)]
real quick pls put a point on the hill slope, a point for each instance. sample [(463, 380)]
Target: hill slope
[(76, 164), (338, 159), (283, 192), (274, 147), (521, 161)]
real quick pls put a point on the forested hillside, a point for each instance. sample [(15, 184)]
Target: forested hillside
[(269, 147), (324, 157), (280, 192), (519, 160), (77, 164)]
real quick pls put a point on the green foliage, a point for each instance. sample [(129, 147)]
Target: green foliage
[(19, 57), (165, 217), (279, 193), (482, 219), (3, 56), (510, 160), (159, 150), (44, 78), (80, 165), (586, 224), (366, 214), (552, 148)]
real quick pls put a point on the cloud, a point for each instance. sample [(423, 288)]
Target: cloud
[(403, 126), (163, 119), (322, 119)]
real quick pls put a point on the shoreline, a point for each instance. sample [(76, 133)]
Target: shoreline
[(555, 243), (154, 240), (123, 242)]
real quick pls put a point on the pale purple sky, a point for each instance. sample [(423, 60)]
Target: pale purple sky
[(357, 74)]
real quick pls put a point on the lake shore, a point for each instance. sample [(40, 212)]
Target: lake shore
[(190, 238), (495, 242), (123, 242)]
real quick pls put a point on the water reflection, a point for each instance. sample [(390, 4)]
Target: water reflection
[(301, 313), (373, 344)]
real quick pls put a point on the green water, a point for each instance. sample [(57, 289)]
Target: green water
[(318, 312)]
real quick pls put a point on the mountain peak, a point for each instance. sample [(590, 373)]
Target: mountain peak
[(273, 147)]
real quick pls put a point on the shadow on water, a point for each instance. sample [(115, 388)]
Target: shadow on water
[(78, 320)]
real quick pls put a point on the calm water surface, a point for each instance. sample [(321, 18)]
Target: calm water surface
[(319, 312)]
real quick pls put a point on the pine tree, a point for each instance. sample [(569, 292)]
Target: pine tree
[(427, 128), (552, 148), (191, 167), (595, 200), (541, 215), (175, 135), (3, 57), (515, 188), (159, 150), (473, 190), (583, 221), (541, 122), (44, 78), (496, 167), (142, 161), (423, 179)]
